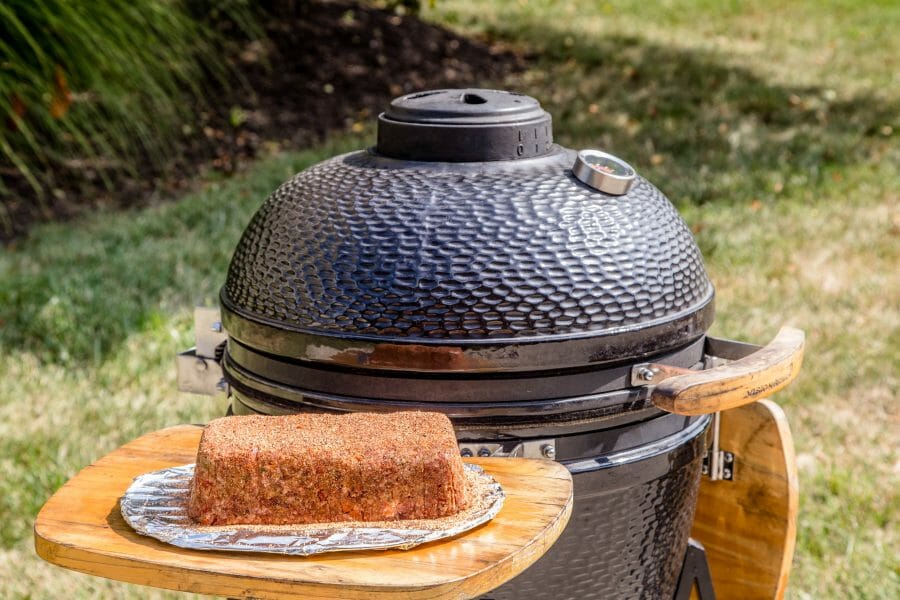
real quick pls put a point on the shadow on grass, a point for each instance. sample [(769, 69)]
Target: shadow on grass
[(74, 292), (703, 130)]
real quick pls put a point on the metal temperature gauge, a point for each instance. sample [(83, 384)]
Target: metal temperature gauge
[(604, 172)]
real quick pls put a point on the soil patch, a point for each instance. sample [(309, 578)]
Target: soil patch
[(326, 66)]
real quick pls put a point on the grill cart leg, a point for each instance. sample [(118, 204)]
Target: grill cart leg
[(695, 569)]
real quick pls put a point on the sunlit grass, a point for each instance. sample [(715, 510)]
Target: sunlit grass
[(773, 127)]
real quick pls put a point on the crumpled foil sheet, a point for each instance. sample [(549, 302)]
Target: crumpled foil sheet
[(156, 505)]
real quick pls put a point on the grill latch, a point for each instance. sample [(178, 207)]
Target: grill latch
[(517, 449)]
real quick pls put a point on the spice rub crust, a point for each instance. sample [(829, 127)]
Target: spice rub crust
[(316, 468)]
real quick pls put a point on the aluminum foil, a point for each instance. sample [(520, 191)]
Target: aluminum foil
[(156, 505)]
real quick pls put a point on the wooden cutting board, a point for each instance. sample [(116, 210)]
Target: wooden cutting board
[(81, 528)]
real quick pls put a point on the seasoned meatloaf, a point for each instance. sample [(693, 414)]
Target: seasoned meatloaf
[(313, 468)]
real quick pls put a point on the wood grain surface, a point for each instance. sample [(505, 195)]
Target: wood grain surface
[(737, 383), (749, 525), (81, 528)]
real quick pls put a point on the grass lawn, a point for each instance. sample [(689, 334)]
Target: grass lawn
[(773, 126)]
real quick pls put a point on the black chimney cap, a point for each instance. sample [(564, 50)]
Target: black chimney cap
[(464, 125)]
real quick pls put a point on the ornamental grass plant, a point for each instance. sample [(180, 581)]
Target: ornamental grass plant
[(104, 86)]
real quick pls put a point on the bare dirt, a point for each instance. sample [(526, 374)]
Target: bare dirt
[(325, 66)]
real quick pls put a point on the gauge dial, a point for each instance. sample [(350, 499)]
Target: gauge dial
[(604, 172)]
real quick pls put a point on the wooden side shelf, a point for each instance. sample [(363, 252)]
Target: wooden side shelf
[(749, 526), (81, 528)]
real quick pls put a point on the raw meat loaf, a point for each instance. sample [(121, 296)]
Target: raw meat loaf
[(313, 468)]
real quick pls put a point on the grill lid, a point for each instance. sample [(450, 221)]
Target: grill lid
[(372, 260)]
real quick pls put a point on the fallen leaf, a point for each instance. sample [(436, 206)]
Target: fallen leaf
[(18, 106), (895, 224), (62, 96), (18, 112)]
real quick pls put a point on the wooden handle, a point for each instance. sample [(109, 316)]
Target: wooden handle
[(737, 383)]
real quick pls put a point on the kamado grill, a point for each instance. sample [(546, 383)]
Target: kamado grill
[(552, 303)]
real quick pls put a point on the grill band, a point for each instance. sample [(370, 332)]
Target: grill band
[(636, 343), (452, 388), (486, 406)]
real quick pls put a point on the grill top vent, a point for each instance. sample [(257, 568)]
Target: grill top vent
[(464, 125)]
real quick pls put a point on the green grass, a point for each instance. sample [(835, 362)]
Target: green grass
[(772, 126)]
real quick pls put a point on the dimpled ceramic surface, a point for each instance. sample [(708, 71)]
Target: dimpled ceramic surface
[(628, 543), (362, 245)]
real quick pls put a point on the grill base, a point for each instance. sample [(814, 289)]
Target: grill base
[(629, 543)]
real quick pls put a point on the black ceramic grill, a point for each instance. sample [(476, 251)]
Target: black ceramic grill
[(534, 294)]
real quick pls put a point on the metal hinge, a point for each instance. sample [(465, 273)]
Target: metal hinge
[(724, 466), (718, 464), (199, 370), (208, 331), (528, 449), (647, 374)]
